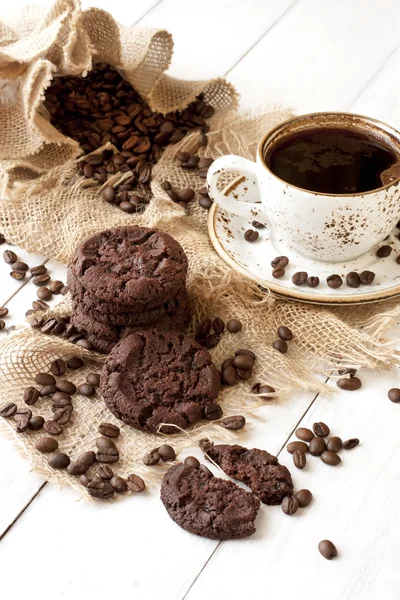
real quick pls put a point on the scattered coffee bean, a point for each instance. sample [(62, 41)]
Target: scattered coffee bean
[(278, 273), (264, 390), (241, 361), (334, 281), (349, 384), (229, 376), (58, 367), (20, 266), (109, 430), (205, 444), (353, 279), (22, 417), (53, 428), (384, 251), (18, 275), (31, 395), (185, 195), (100, 489), (347, 371), (258, 225), (244, 374), (66, 386), (334, 444), (233, 423), (59, 460), (330, 458), (41, 280), (218, 325), (212, 411), (290, 505), (105, 472), (75, 362), (203, 329), (304, 497), (47, 390), (300, 278), (285, 333), (280, 262), (327, 549), (251, 236), (321, 429), (317, 446), (85, 389), (9, 257), (151, 458), (47, 444), (107, 450), (304, 434), (93, 379), (281, 346), (313, 282), (233, 326), (166, 453), (192, 462), (60, 399), (8, 410), (39, 270), (83, 463), (36, 423), (299, 446), (62, 416), (44, 293), (2, 239), (394, 395), (135, 483), (398, 260), (299, 459), (56, 287), (84, 480), (367, 277), (350, 444), (119, 484), (3, 312), (205, 202), (2, 325)]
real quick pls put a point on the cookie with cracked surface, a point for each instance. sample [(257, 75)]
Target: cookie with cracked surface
[(206, 505), (129, 265), (153, 377), (258, 469)]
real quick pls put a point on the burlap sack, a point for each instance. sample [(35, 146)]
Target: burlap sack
[(48, 208)]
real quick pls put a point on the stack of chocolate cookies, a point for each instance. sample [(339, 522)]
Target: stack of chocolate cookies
[(125, 279)]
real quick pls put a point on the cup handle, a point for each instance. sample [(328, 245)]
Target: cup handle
[(230, 163)]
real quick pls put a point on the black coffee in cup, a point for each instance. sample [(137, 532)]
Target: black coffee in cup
[(331, 160)]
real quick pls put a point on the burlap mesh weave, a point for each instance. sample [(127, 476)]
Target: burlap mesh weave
[(48, 208)]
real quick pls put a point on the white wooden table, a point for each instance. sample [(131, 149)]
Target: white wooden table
[(311, 55)]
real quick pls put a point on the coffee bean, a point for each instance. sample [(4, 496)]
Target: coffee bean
[(347, 371), (185, 195), (384, 251), (35, 321), (85, 389), (258, 225), (108, 455), (151, 458), (58, 367), (8, 410), (59, 460), (218, 325), (39, 270), (47, 390), (119, 484), (229, 376), (330, 458), (394, 395), (327, 549), (300, 278), (350, 444), (53, 428), (135, 483), (280, 262), (290, 505), (109, 430), (75, 362), (31, 395), (83, 463), (251, 236), (353, 279), (166, 453), (349, 384), (228, 362), (104, 443), (205, 444), (285, 333), (66, 386), (281, 346), (84, 480), (192, 462), (212, 341), (313, 282), (49, 326), (367, 277), (56, 287), (2, 239), (278, 273), (36, 423), (321, 429), (62, 416), (205, 202), (299, 459), (204, 328), (105, 472), (183, 157), (93, 379), (46, 444), (100, 489), (317, 446), (304, 434), (3, 312), (41, 280), (244, 374), (334, 281), (242, 361), (334, 444), (2, 325), (44, 293), (212, 411), (45, 379), (233, 423), (9, 257), (64, 290), (264, 390), (40, 305), (299, 446), (304, 497), (20, 266), (205, 163), (18, 275), (61, 399), (108, 193), (233, 326)]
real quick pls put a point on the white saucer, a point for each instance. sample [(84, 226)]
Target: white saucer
[(253, 259)]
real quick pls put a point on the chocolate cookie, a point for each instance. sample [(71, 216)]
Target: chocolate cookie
[(129, 265), (153, 377), (261, 471), (206, 505)]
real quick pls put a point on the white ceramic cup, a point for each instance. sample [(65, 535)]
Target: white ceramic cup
[(328, 227)]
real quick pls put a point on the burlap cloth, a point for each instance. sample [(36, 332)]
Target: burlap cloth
[(48, 208)]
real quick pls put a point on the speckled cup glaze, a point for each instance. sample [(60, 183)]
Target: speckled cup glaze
[(321, 226)]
